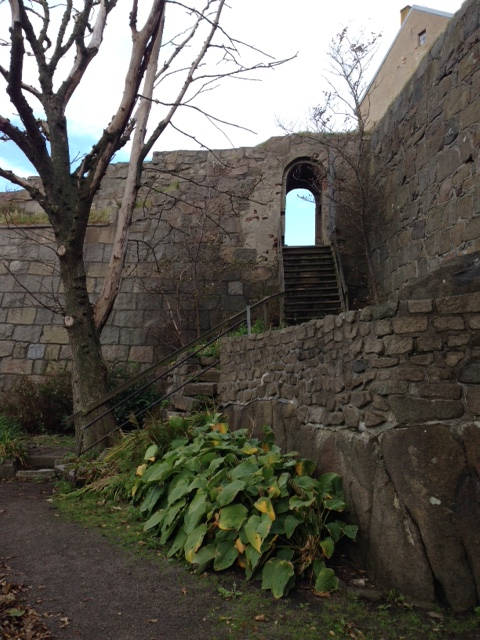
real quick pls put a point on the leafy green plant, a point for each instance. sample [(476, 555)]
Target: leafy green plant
[(257, 327), (129, 408), (12, 445), (113, 474), (222, 498), (41, 407)]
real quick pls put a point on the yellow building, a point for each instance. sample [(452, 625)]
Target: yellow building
[(420, 27)]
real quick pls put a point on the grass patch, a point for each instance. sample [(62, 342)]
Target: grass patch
[(240, 610)]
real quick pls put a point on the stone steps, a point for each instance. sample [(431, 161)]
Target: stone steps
[(41, 464), (311, 287)]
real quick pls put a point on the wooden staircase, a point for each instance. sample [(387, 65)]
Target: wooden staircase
[(311, 284)]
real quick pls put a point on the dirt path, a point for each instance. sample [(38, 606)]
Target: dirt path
[(106, 593)]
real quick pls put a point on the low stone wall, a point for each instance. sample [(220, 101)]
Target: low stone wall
[(388, 397)]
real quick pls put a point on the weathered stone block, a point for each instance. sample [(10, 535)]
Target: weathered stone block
[(36, 351), (373, 345), (470, 372), (420, 306), (54, 335), (397, 345), (383, 328), (374, 419), (21, 316), (444, 323), (351, 416), (141, 354), (429, 342), (410, 410), (25, 333), (387, 387), (468, 303), (14, 365), (415, 324), (384, 363), (443, 390), (6, 348), (472, 398)]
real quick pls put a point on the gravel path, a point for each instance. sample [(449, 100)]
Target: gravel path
[(106, 593)]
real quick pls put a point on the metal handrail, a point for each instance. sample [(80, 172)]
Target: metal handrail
[(340, 275), (233, 322)]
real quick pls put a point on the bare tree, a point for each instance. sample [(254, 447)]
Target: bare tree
[(343, 118), (54, 37)]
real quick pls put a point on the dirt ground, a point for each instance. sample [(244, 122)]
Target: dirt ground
[(90, 589)]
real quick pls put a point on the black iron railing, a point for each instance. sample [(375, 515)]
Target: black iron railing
[(168, 365)]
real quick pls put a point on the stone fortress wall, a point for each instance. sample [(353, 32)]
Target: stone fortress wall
[(388, 396), (426, 152), (224, 206)]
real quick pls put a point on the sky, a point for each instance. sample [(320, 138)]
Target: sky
[(283, 96)]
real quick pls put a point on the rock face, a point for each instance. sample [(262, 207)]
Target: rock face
[(414, 492), (389, 397)]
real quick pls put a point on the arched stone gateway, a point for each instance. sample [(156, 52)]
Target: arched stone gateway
[(309, 268), (305, 179)]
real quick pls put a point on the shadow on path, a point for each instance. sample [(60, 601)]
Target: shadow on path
[(105, 592)]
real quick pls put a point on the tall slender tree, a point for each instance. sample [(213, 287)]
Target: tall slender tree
[(60, 42)]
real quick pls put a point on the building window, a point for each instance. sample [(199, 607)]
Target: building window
[(422, 38)]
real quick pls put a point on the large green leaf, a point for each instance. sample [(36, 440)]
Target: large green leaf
[(291, 523), (179, 486), (172, 515), (276, 575), (178, 543), (194, 542), (151, 453), (225, 556), (350, 530), (229, 492), (264, 505), (295, 503), (244, 470), (152, 496), (328, 547), (325, 578), (257, 529), (157, 472), (198, 507), (205, 554), (154, 520), (253, 557), (232, 517)]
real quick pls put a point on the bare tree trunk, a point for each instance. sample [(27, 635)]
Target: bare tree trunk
[(89, 373)]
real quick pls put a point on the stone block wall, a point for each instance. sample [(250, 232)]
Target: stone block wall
[(426, 156), (204, 243), (388, 396)]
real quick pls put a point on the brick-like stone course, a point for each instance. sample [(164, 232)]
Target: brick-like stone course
[(413, 370)]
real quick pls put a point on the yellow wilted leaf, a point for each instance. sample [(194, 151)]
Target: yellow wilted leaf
[(249, 450), (240, 546), (241, 563), (141, 470), (273, 491), (215, 443), (265, 446), (221, 427), (264, 505), (299, 468)]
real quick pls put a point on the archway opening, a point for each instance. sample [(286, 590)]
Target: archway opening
[(303, 197), (300, 218)]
